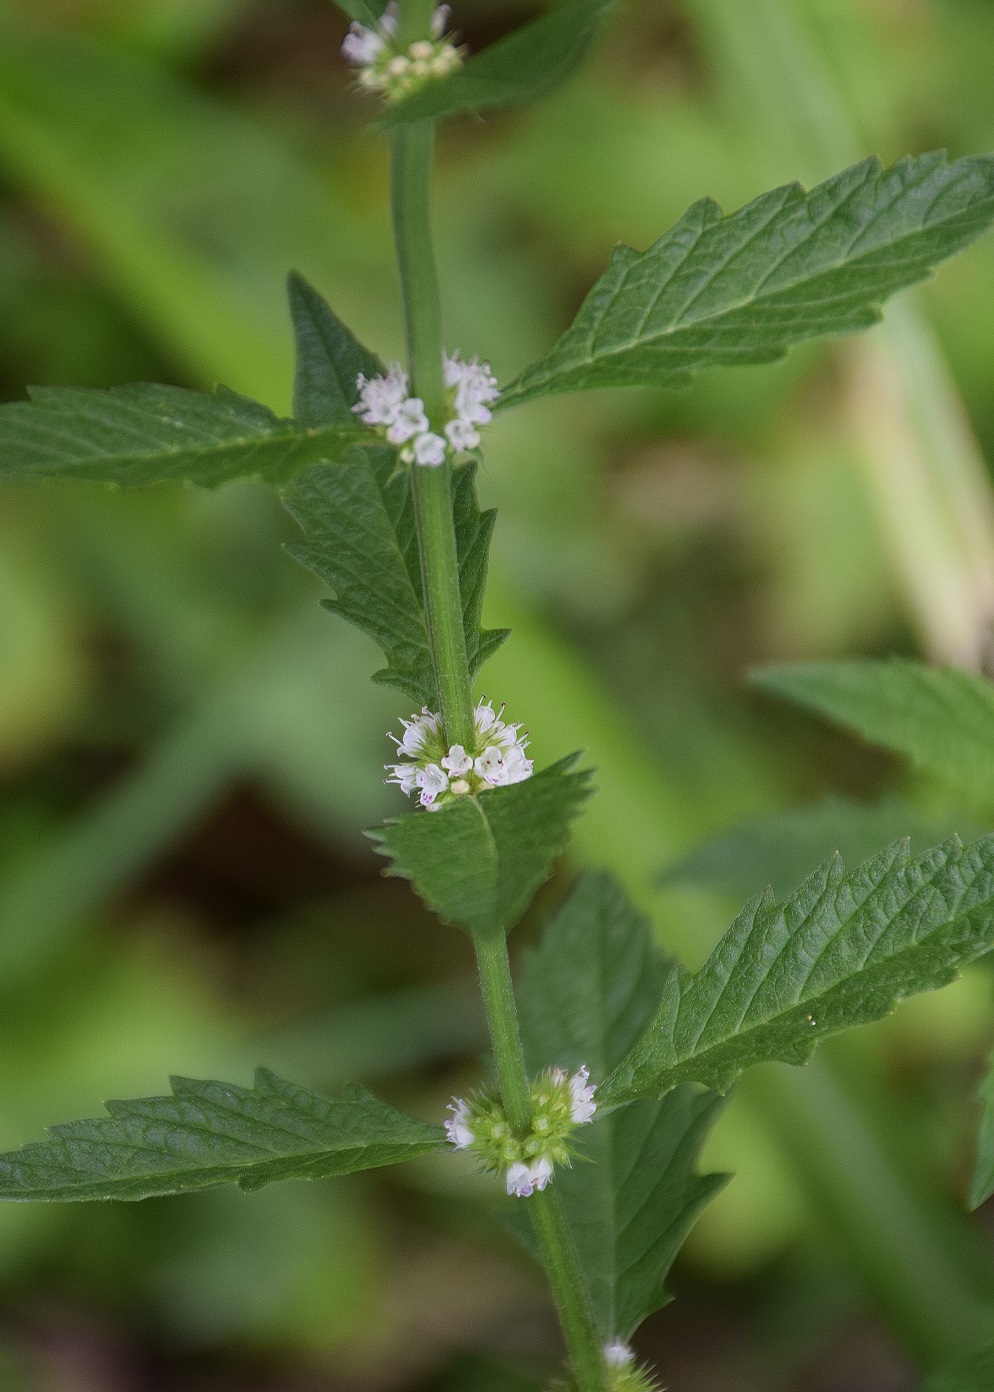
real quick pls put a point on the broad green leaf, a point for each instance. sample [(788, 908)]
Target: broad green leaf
[(210, 1133), (942, 720), (479, 860), (974, 1373), (515, 70), (720, 291), (593, 1013), (329, 359), (632, 1194), (360, 537), (780, 849), (844, 949), (143, 434)]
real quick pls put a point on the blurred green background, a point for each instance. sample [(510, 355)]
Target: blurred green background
[(190, 748)]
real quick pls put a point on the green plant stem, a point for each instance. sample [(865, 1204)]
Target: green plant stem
[(502, 1019), (431, 487), (559, 1256), (562, 1266), (412, 152)]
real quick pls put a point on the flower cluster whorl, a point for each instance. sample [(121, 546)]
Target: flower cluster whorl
[(383, 67), (560, 1103), (384, 404), (438, 772)]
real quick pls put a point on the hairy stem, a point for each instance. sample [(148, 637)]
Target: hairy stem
[(432, 492), (502, 1019), (559, 1256), (432, 487)]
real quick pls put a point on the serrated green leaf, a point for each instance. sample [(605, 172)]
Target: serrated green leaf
[(593, 1013), (210, 1133), (942, 720), (720, 291), (974, 1373), (844, 949), (632, 1194), (513, 71), (329, 359), (780, 849), (360, 538), (478, 861), (145, 434)]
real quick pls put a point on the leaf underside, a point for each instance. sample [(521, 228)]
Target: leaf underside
[(632, 1193), (360, 538), (478, 861), (210, 1133), (514, 71), (843, 950), (720, 291), (942, 720), (143, 434)]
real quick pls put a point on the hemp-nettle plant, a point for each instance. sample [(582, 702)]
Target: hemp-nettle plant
[(610, 1059)]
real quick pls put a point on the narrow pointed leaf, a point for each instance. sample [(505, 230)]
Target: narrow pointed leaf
[(632, 1194), (720, 291), (844, 949), (479, 860), (360, 537), (144, 434), (329, 359), (513, 71), (942, 720), (210, 1133)]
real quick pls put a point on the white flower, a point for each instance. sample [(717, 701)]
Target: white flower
[(522, 1180), (439, 20), (409, 420), (417, 730), (517, 767), (457, 1127), (617, 1354), (457, 760), (490, 766), (495, 758), (462, 435), (406, 775), (429, 449), (484, 718), (541, 1172), (475, 389), (519, 1180), (432, 781), (582, 1104), (380, 398), (362, 46)]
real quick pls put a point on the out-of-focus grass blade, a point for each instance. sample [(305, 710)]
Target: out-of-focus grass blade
[(277, 716), (187, 205)]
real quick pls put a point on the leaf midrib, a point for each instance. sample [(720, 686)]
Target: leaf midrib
[(673, 1070), (593, 357), (220, 1167)]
